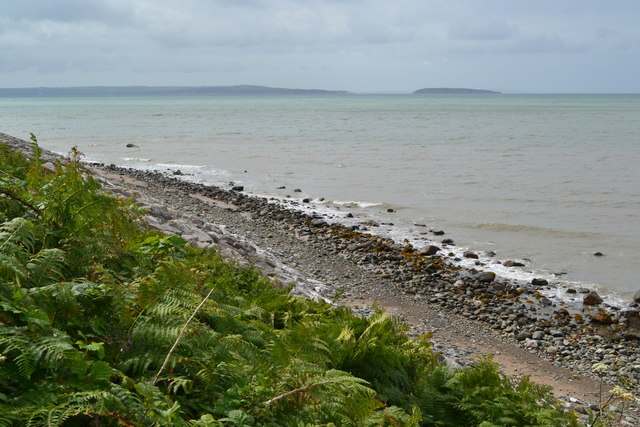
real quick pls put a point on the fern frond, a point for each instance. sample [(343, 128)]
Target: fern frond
[(46, 267)]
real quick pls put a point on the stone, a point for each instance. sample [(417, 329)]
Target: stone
[(470, 254), (529, 343), (571, 291), (592, 298), (538, 335), (370, 223), (306, 200), (390, 210), (297, 190), (438, 232), (485, 276), (598, 254), (282, 187), (447, 242), (513, 264), (632, 318), (237, 188), (349, 215), (539, 282), (429, 250), (636, 297), (177, 172), (130, 145), (602, 317), (523, 336), (546, 302)]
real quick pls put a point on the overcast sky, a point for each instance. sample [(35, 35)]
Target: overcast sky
[(362, 46)]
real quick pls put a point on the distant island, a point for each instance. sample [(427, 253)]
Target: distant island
[(452, 91), (159, 91)]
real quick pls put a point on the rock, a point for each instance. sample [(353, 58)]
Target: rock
[(237, 188), (636, 297), (297, 190), (539, 282), (447, 242), (632, 318), (485, 276), (429, 250), (598, 254), (523, 336), (349, 215), (470, 254), (602, 317), (529, 343), (438, 232), (390, 210), (306, 200), (370, 223), (318, 223), (538, 335), (571, 291), (513, 264), (130, 145), (546, 302), (552, 350), (592, 298), (177, 172), (282, 187)]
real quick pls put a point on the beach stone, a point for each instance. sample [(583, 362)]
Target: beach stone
[(429, 250), (130, 145), (513, 264), (632, 318), (592, 298), (571, 291), (598, 254), (602, 317), (237, 188), (438, 232), (470, 254), (485, 276), (636, 297), (370, 223), (539, 282), (447, 242), (538, 335), (530, 343)]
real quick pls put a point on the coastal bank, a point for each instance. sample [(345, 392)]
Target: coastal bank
[(470, 312)]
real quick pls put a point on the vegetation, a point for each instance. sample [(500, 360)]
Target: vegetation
[(104, 322)]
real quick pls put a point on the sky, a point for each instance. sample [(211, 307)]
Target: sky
[(545, 46)]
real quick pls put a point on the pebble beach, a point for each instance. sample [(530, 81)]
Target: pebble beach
[(468, 312)]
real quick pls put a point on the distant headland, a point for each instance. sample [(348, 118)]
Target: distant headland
[(452, 91), (159, 91)]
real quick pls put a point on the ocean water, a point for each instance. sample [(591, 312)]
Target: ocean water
[(545, 179)]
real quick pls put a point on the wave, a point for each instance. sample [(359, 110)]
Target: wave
[(356, 204)]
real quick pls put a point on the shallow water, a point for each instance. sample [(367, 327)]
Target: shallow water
[(548, 178)]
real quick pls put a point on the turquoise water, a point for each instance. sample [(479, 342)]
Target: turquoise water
[(547, 178)]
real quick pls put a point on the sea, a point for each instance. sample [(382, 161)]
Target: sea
[(544, 180)]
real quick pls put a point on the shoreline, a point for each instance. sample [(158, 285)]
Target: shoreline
[(469, 312)]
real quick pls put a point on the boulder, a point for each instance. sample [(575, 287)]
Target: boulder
[(429, 250), (438, 232), (602, 317), (370, 223), (470, 254), (592, 298), (237, 188), (632, 319), (485, 276), (513, 264), (636, 297), (447, 242), (539, 282)]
